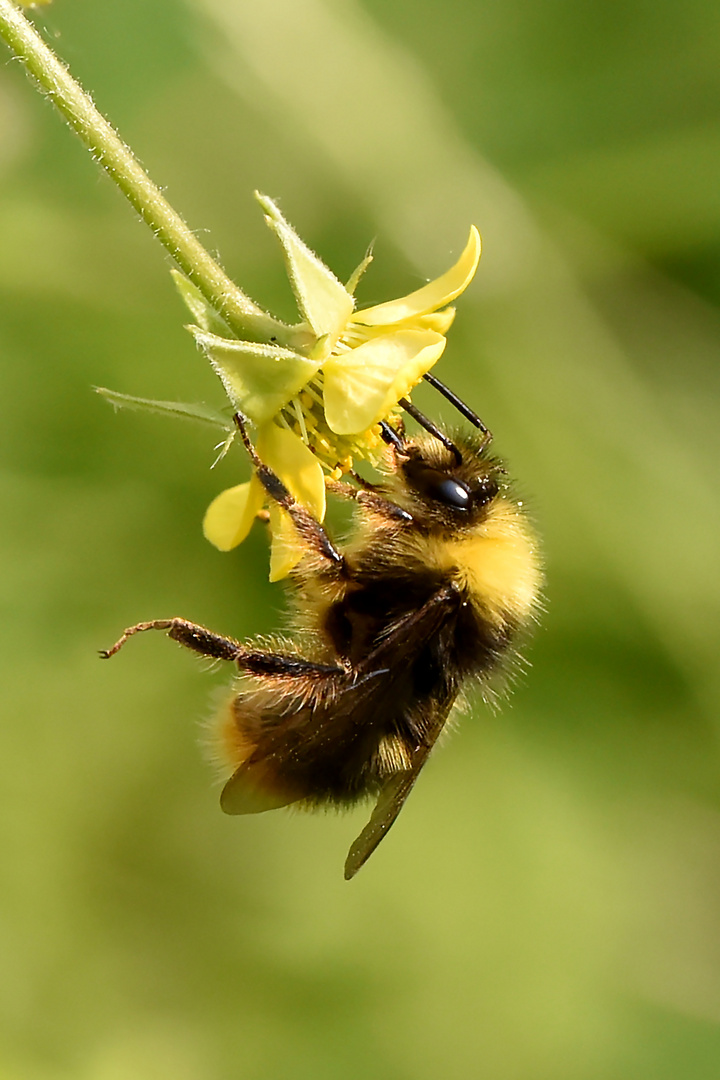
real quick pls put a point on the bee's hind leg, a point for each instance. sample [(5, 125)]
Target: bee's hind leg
[(310, 530), (191, 635), (208, 643)]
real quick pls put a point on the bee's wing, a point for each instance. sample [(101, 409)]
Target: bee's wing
[(391, 801), (253, 789), (393, 652)]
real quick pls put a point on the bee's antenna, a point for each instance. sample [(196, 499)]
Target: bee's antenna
[(426, 423), (461, 407)]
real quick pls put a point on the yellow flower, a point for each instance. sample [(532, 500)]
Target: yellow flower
[(317, 392)]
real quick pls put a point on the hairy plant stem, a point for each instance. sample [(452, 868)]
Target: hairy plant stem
[(244, 317)]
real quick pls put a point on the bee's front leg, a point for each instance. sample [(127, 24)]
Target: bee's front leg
[(371, 499), (308, 528)]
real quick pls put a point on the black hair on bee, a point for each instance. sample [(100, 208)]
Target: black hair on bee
[(439, 581)]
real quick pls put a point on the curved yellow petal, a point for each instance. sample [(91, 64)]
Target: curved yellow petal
[(363, 385), (229, 517), (298, 468), (434, 295), (439, 321)]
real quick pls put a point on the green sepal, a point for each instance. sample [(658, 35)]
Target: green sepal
[(324, 302), (204, 414), (358, 272), (202, 312), (259, 379)]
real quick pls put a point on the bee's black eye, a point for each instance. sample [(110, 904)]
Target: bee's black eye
[(438, 486), (452, 493)]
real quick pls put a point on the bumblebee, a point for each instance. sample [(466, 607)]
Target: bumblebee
[(434, 590)]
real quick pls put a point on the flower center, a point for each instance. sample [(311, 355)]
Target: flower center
[(305, 416)]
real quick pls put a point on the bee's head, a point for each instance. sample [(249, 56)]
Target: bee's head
[(448, 488)]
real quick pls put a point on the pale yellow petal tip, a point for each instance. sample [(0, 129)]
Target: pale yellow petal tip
[(436, 294), (229, 517)]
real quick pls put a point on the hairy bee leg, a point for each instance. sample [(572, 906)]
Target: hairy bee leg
[(284, 665), (310, 530), (371, 499), (207, 643), (191, 635)]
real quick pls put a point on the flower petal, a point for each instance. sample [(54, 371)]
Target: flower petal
[(298, 468), (287, 549), (258, 379), (434, 295), (323, 300), (229, 517), (439, 321), (363, 385), (302, 474)]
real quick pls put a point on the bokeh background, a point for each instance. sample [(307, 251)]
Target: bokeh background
[(548, 905)]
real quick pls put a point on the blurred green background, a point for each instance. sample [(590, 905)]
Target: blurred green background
[(548, 905)]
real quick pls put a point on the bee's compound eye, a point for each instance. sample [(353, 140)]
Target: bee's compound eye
[(438, 486), (452, 493)]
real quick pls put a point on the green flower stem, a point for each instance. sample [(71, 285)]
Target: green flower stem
[(243, 316)]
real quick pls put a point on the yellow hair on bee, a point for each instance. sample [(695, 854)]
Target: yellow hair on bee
[(392, 755), (232, 744), (497, 562)]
